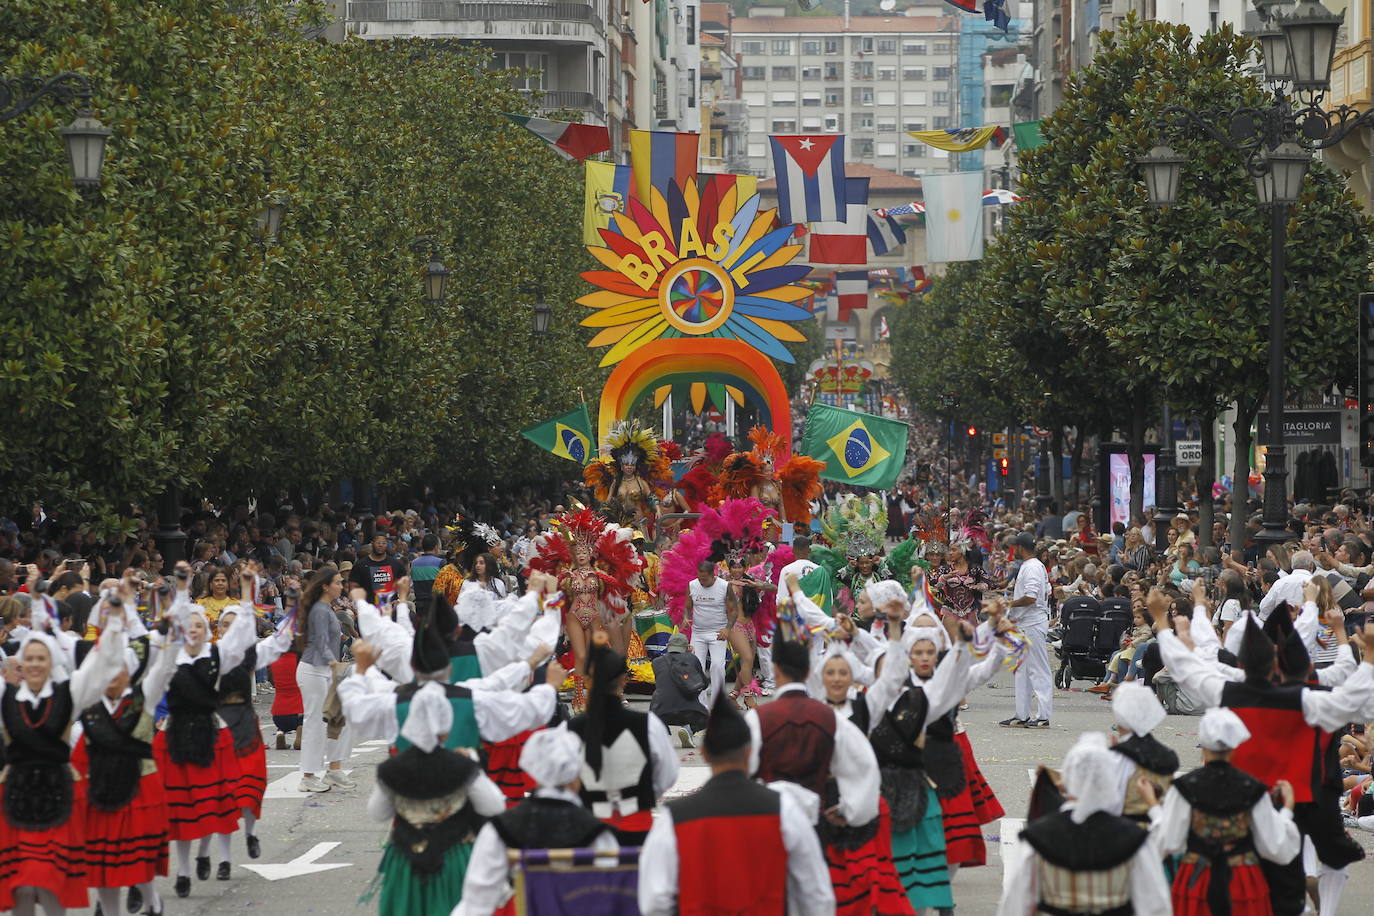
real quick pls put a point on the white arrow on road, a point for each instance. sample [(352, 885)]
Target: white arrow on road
[(301, 865)]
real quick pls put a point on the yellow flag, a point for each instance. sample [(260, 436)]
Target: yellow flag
[(959, 140), (608, 189)]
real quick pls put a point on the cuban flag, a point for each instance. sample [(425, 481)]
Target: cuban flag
[(810, 172), (851, 294), (884, 233), (844, 241)]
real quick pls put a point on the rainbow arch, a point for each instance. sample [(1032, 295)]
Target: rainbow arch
[(703, 359)]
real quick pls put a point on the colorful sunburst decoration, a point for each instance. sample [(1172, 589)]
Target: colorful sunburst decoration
[(697, 263)]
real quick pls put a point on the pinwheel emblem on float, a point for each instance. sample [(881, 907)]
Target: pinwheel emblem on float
[(696, 265)]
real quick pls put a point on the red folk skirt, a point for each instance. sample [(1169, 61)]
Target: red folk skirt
[(252, 783), (52, 859), (865, 879), (503, 766), (1249, 891), (965, 813), (128, 846), (200, 800)]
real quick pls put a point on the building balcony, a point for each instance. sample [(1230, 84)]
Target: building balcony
[(564, 21), (555, 99)]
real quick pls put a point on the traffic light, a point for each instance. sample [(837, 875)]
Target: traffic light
[(1004, 467), (972, 431)]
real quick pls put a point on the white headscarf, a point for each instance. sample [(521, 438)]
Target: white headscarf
[(476, 608), (61, 663), (936, 634), (552, 757), (1091, 778), (1136, 709), (1221, 730), (885, 592), (429, 717)]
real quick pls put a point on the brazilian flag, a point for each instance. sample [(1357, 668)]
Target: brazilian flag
[(568, 436), (819, 586), (857, 448)]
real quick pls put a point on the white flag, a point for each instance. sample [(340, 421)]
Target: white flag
[(954, 216)]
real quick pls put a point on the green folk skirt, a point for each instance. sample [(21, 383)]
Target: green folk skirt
[(404, 893), (919, 855)]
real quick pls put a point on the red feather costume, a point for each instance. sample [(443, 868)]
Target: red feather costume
[(785, 486)]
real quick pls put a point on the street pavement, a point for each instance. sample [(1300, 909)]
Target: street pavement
[(320, 852)]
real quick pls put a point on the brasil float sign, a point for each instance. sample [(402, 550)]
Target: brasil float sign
[(698, 288)]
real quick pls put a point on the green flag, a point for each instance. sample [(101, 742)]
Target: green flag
[(1027, 135), (857, 448), (819, 586), (569, 436)]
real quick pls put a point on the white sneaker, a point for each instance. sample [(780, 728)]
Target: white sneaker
[(684, 737), (312, 784), (337, 778)]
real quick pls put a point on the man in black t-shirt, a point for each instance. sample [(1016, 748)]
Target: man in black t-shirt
[(378, 569)]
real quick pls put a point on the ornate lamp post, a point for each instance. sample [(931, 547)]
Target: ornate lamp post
[(436, 274), (1277, 142), (85, 136)]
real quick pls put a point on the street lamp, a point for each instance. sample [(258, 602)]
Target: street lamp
[(1277, 142), (436, 274), (543, 313), (85, 137)]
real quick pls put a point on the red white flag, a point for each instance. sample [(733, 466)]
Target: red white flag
[(851, 294), (845, 241), (572, 141)]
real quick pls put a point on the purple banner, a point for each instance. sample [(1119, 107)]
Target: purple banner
[(550, 890)]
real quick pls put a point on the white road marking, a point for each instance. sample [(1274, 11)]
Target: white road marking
[(304, 864)]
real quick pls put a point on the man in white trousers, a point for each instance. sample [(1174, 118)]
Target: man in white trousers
[(1029, 610), (712, 609)]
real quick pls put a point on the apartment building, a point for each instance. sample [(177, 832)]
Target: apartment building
[(870, 78)]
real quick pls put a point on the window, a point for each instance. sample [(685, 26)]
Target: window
[(810, 47), (863, 121), (758, 150), (863, 149), (811, 100), (691, 87), (887, 148), (941, 47), (861, 95), (939, 97), (834, 98), (785, 126), (782, 46), (941, 122), (999, 95), (751, 46), (887, 73), (833, 72), (811, 73), (887, 46), (834, 123), (755, 99), (784, 99), (888, 126), (914, 97), (913, 47), (811, 125), (753, 73), (913, 125), (887, 97), (784, 73), (862, 70), (715, 148), (913, 149), (691, 25), (941, 73), (757, 125), (912, 173), (832, 46), (913, 73), (520, 61)]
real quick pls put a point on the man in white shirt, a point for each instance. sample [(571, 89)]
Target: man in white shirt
[(712, 608), (1029, 609), (1288, 590)]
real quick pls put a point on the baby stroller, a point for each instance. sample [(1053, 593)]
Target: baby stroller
[(1090, 632)]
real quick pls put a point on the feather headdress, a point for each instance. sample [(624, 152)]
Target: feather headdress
[(857, 525), (733, 527)]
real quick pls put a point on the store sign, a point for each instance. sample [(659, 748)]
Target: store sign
[(1305, 427), (1188, 453)]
